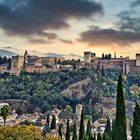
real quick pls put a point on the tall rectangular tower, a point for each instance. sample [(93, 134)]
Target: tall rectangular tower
[(17, 64), (87, 57), (138, 59)]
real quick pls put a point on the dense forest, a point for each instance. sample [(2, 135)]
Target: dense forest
[(43, 90)]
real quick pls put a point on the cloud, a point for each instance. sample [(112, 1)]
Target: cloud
[(49, 35), (128, 21), (135, 3), (39, 41), (28, 17), (66, 41), (109, 37)]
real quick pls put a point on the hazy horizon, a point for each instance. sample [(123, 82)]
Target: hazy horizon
[(73, 26)]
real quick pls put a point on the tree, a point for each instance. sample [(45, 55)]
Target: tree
[(53, 123), (119, 130), (103, 56), (107, 132), (68, 131), (89, 127), (103, 71), (99, 136), (136, 123), (91, 137), (74, 132), (60, 130), (68, 108), (5, 111), (82, 129), (48, 119)]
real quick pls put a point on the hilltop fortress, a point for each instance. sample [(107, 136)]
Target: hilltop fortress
[(125, 65), (37, 64)]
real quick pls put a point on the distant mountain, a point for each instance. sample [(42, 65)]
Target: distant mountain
[(66, 56), (7, 53), (10, 51)]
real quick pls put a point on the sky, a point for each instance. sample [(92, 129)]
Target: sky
[(71, 26)]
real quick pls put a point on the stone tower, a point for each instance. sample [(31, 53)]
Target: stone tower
[(17, 64), (79, 108), (138, 60)]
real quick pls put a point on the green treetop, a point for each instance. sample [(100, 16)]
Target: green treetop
[(119, 130), (5, 112), (136, 123)]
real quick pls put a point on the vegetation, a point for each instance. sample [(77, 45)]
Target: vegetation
[(82, 127), (89, 127), (43, 90), (74, 132), (119, 130), (107, 133), (53, 123), (136, 123), (5, 112), (68, 130), (5, 60), (20, 133)]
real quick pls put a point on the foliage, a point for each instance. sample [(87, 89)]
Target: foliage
[(107, 133), (82, 129), (60, 131), (53, 123), (68, 131), (42, 90), (68, 108), (4, 112), (136, 123), (20, 133), (99, 137), (89, 127), (119, 130), (74, 132)]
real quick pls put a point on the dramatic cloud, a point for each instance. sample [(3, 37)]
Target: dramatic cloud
[(29, 17), (108, 37), (49, 35), (66, 41), (39, 41), (135, 3), (128, 21)]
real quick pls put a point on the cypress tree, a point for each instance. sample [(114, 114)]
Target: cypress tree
[(91, 137), (136, 123), (84, 137), (82, 129), (68, 131), (94, 138), (119, 130), (107, 132), (103, 71), (53, 123), (99, 136), (60, 130), (89, 127), (74, 132), (48, 119)]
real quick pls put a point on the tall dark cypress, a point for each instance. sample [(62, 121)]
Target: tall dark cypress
[(136, 123), (60, 131), (82, 129), (53, 123), (119, 130), (68, 131), (107, 132), (74, 132), (99, 137), (88, 131), (94, 136), (48, 119)]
